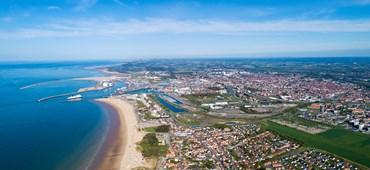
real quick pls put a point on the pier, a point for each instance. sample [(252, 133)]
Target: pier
[(56, 96)]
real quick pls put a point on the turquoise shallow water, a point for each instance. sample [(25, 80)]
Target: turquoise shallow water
[(49, 135)]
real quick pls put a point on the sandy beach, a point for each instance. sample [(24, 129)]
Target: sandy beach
[(122, 154)]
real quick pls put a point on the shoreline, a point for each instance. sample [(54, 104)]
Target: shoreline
[(113, 133), (120, 150)]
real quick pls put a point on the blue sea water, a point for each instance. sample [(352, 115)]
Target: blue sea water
[(55, 134)]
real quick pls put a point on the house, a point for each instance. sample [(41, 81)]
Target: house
[(315, 106)]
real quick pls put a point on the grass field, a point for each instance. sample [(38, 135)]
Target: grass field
[(341, 142)]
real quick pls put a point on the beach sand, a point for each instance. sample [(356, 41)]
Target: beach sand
[(123, 153)]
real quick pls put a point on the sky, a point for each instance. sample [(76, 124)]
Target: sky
[(132, 29)]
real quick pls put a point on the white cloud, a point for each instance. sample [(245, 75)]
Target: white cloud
[(103, 27), (84, 5), (119, 2), (6, 19), (364, 2), (53, 7)]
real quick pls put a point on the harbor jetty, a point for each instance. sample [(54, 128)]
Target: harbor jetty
[(56, 96)]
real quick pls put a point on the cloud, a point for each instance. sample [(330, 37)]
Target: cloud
[(119, 2), (104, 27), (364, 2), (84, 5), (6, 19), (53, 7), (318, 13)]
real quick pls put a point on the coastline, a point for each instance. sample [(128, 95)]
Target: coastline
[(120, 150)]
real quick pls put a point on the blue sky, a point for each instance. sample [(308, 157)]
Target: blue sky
[(120, 29)]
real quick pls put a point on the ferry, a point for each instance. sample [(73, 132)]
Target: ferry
[(74, 97)]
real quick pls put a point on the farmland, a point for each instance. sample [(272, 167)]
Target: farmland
[(341, 142)]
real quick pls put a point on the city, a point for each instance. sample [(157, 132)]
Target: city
[(222, 118), (185, 84)]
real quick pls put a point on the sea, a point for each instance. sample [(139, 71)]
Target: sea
[(53, 134)]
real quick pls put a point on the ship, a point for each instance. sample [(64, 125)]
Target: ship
[(74, 97)]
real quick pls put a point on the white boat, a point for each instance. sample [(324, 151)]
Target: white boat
[(75, 97)]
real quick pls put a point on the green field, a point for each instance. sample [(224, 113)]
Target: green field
[(341, 142), (149, 146)]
